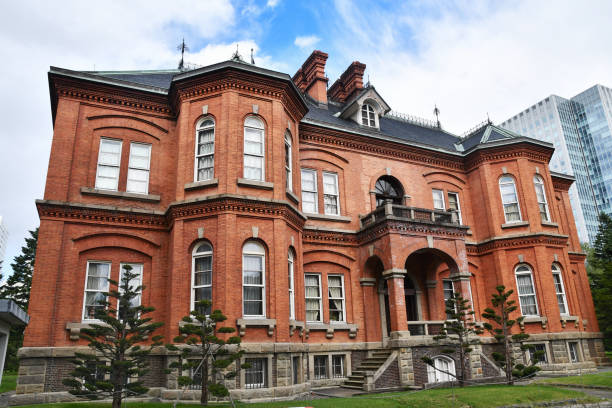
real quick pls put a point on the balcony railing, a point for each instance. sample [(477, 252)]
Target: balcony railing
[(413, 214), (425, 327)]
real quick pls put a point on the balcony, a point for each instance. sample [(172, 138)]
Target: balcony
[(411, 214), (425, 327)]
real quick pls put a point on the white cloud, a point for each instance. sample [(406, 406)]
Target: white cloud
[(308, 41), (272, 3)]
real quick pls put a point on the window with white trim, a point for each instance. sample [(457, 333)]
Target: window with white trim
[(253, 279), (507, 188), (573, 351), (539, 348), (96, 284), (443, 370), (312, 285), (331, 198), (338, 366), (290, 264), (201, 276), (320, 367), (453, 204), (109, 160), (309, 191), (559, 289), (335, 296), (256, 376), (288, 162), (538, 182), (205, 150), (254, 150), (438, 199), (368, 115), (138, 168), (449, 290), (526, 290), (135, 282)]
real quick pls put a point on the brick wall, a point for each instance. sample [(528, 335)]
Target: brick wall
[(390, 378)]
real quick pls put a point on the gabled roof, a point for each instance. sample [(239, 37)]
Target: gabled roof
[(488, 133), (368, 92)]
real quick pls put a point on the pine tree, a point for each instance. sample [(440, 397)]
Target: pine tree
[(502, 332), (17, 286), (204, 352), (459, 333), (116, 359), (601, 282)]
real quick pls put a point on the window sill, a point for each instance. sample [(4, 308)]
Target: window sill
[(324, 217), (120, 194), (255, 322), (292, 197), (75, 327), (549, 224), (534, 319), (264, 185), (331, 327), (515, 224), (201, 184)]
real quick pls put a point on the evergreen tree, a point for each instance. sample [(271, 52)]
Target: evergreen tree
[(116, 359), (459, 333), (204, 353), (601, 277), (502, 332)]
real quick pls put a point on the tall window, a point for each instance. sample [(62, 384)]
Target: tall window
[(330, 193), (109, 159), (335, 295), (201, 276), (338, 365), (573, 351), (205, 150), (368, 117), (312, 284), (290, 263), (288, 162), (526, 290), (448, 293), (309, 191), (256, 376), (453, 204), (253, 279), (538, 182), (507, 187), (320, 367), (134, 283), (559, 289), (138, 168), (96, 284), (438, 199), (254, 151)]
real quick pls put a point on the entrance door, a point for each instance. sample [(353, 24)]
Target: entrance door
[(411, 300)]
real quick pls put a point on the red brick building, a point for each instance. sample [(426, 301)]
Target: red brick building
[(327, 228)]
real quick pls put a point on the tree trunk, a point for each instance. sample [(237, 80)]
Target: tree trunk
[(117, 401), (204, 397)]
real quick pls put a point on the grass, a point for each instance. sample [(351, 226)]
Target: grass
[(609, 354), (600, 380), (9, 383), (476, 397)]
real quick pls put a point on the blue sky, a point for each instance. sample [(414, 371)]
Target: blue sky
[(470, 58)]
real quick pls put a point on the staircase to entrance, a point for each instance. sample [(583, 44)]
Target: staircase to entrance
[(367, 372)]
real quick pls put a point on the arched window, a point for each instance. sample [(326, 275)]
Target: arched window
[(288, 162), (388, 188), (205, 149), (507, 187), (253, 280), (538, 182), (290, 264), (526, 290), (442, 371), (368, 115), (559, 289), (201, 276), (254, 150)]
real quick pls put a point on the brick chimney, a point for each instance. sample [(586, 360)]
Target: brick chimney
[(349, 83), (311, 77)]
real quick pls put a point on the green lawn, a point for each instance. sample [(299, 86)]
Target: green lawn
[(9, 382), (476, 397), (600, 380)]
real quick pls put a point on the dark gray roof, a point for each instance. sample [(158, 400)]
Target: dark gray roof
[(160, 79)]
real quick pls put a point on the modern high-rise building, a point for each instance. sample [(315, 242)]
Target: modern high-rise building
[(579, 128), (3, 242)]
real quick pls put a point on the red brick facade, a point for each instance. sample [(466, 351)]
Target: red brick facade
[(373, 249)]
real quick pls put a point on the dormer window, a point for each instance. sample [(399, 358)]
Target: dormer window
[(368, 117)]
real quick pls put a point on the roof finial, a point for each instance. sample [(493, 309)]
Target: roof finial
[(236, 56), (182, 48), (252, 59), (489, 119), (437, 114)]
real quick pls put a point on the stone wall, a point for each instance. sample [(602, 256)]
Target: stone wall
[(390, 378)]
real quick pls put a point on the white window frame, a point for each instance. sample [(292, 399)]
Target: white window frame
[(140, 277), (264, 373), (325, 366), (261, 252), (288, 161), (529, 272), (342, 298), (530, 355), (336, 195), (445, 290), (85, 290), (196, 255), (370, 115), (434, 376), (117, 166), (556, 271), (262, 156), (342, 357), (315, 191), (132, 167), (576, 351), (319, 298), (291, 283), (504, 204), (538, 183), (458, 205), (197, 156), (435, 191)]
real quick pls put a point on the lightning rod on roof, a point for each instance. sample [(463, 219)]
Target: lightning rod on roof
[(437, 114), (182, 47), (252, 59)]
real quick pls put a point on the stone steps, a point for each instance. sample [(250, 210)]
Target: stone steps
[(357, 379)]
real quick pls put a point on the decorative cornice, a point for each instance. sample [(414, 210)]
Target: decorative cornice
[(317, 236), (577, 256), (375, 231), (524, 149), (516, 241), (562, 183)]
